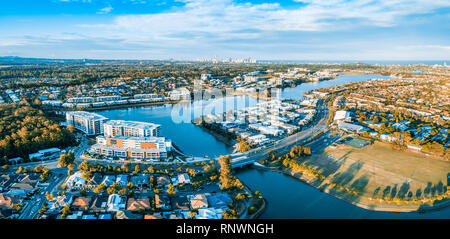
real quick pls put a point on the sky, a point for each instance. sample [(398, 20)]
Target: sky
[(260, 29)]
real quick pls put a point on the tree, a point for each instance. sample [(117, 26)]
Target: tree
[(191, 214), (100, 188), (123, 191), (26, 129), (111, 190), (227, 180), (191, 172), (49, 196), (137, 169), (84, 166), (243, 145), (240, 196), (19, 170), (65, 211), (66, 159), (230, 214), (171, 190)]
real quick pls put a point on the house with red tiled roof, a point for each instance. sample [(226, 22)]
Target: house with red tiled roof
[(81, 203), (7, 201), (138, 204)]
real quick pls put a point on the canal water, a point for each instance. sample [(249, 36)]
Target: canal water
[(175, 121), (287, 197)]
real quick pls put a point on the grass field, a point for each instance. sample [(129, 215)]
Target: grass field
[(378, 171)]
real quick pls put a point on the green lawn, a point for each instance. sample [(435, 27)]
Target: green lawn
[(378, 170)]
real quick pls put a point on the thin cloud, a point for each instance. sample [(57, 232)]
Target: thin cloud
[(105, 10)]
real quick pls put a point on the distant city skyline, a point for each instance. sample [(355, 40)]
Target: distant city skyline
[(319, 30)]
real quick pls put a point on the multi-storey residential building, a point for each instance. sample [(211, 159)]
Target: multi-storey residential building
[(81, 100), (137, 148), (131, 129), (89, 123)]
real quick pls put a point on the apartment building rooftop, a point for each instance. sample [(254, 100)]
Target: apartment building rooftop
[(87, 115), (134, 124)]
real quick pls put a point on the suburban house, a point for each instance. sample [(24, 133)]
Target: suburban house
[(162, 202), (76, 181), (21, 189), (140, 182), (127, 215), (115, 202), (209, 213), (6, 180), (153, 216), (198, 201), (81, 203), (7, 201), (181, 179), (163, 181), (122, 180), (99, 204), (94, 181), (220, 200), (60, 202), (138, 204), (108, 180), (180, 202), (32, 179), (104, 216), (89, 216)]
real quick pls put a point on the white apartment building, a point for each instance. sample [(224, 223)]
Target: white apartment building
[(180, 94), (87, 122), (131, 129), (136, 148)]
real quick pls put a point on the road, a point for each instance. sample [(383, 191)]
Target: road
[(38, 199), (285, 143)]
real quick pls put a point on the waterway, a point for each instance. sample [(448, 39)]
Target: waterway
[(290, 198), (286, 196)]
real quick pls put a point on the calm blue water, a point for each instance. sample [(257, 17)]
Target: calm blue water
[(287, 197), (175, 121), (297, 92)]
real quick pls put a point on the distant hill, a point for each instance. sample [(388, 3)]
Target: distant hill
[(15, 60)]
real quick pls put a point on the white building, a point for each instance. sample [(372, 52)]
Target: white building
[(259, 139), (76, 181), (87, 122), (350, 127), (270, 130), (153, 97), (45, 154), (342, 115), (180, 94), (131, 128), (136, 148), (81, 100), (181, 179)]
